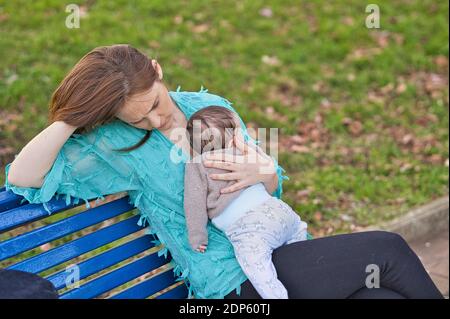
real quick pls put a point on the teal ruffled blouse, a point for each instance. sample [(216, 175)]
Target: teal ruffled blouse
[(87, 167)]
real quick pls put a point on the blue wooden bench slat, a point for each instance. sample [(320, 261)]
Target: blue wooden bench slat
[(148, 287), (104, 260), (78, 246), (59, 229), (116, 278), (8, 200), (14, 214), (179, 292), (18, 216)]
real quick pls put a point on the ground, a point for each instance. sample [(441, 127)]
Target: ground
[(433, 252)]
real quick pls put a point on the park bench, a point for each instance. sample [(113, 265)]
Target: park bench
[(129, 277), (94, 271)]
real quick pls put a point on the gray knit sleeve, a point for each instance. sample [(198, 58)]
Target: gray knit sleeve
[(195, 194)]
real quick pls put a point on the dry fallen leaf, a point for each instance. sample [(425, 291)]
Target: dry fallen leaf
[(45, 247), (297, 139), (348, 21), (351, 77), (270, 60), (435, 159), (354, 127), (83, 11), (200, 28), (401, 87), (178, 19), (300, 149), (361, 53), (303, 193), (318, 216), (266, 12), (441, 61)]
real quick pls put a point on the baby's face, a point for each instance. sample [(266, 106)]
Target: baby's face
[(231, 134), (214, 136)]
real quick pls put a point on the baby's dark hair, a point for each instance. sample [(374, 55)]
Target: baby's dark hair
[(215, 127)]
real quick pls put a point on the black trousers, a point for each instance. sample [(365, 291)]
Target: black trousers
[(338, 267), (16, 284), (329, 267)]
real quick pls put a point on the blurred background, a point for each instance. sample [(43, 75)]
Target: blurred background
[(363, 112)]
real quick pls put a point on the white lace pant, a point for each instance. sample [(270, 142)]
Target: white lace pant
[(255, 235)]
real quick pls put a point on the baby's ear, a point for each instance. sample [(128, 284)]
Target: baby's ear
[(238, 135), (231, 143)]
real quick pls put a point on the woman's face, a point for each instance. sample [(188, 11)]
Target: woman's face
[(150, 109)]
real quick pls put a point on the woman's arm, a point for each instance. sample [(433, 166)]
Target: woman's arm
[(271, 183), (270, 180), (85, 167), (37, 157)]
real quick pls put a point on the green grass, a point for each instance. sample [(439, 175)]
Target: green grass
[(329, 64)]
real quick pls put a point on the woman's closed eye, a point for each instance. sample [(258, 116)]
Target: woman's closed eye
[(151, 109)]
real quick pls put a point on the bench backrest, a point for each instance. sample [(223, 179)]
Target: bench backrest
[(113, 255)]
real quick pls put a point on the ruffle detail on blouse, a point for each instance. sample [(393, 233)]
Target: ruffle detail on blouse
[(202, 89), (180, 272), (183, 272), (182, 275), (52, 182)]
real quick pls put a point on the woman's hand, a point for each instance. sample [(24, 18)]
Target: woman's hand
[(252, 167)]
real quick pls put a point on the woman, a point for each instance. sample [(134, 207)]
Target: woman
[(113, 129)]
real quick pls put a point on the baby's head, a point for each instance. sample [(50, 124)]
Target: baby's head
[(212, 128)]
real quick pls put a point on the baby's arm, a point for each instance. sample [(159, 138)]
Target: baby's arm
[(195, 193)]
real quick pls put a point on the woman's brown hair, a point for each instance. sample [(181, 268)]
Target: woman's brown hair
[(97, 87)]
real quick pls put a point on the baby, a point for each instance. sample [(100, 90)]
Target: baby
[(255, 222)]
